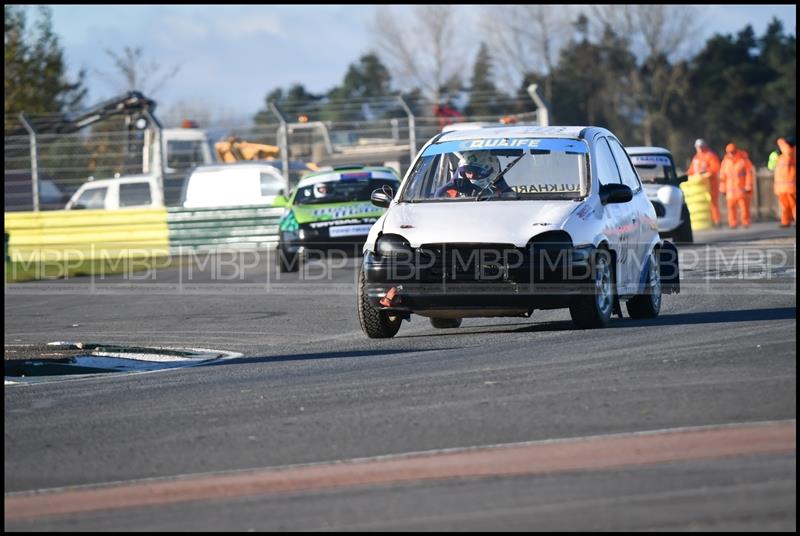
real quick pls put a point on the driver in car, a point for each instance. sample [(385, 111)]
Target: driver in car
[(475, 173)]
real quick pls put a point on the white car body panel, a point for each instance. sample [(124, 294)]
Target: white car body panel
[(668, 195), (672, 199), (227, 185)]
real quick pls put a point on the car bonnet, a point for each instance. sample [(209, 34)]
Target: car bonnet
[(506, 222)]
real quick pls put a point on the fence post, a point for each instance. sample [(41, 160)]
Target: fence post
[(158, 153), (412, 130), (542, 110), (34, 160), (283, 142)]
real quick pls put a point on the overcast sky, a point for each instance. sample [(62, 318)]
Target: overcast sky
[(231, 56)]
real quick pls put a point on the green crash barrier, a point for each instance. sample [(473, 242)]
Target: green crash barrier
[(698, 200), (86, 234), (223, 227)]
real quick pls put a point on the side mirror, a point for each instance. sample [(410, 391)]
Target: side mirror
[(615, 193), (280, 201), (381, 199), (683, 178)]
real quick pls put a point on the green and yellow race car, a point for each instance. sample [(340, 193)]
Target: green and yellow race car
[(331, 210)]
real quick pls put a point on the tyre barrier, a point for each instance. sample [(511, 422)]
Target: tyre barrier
[(698, 200), (80, 235)]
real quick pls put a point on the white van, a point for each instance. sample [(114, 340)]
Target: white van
[(226, 185), (133, 191)]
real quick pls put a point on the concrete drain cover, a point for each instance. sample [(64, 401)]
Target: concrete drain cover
[(77, 358)]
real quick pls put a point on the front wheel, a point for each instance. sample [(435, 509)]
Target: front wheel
[(445, 323), (287, 262), (375, 322), (593, 308)]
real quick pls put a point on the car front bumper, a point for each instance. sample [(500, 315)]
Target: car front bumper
[(472, 282)]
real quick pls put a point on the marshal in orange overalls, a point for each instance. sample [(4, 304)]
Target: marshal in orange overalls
[(706, 161), (736, 182), (786, 182)]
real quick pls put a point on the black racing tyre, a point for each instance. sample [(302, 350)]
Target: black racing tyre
[(445, 323), (376, 323), (287, 263), (648, 305), (593, 310), (683, 234)]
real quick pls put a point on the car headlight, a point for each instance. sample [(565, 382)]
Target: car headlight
[(392, 245)]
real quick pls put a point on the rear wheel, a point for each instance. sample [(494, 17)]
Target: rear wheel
[(683, 234), (648, 305), (593, 308), (445, 323), (375, 322)]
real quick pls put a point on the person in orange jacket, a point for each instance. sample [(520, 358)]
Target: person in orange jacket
[(786, 180), (706, 161), (736, 182)]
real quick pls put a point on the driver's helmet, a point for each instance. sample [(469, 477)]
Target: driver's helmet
[(481, 166), (321, 189)]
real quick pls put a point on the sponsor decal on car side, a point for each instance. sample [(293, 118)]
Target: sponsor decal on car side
[(317, 213)]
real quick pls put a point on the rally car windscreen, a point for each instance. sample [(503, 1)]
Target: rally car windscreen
[(656, 169), (499, 169), (341, 191)]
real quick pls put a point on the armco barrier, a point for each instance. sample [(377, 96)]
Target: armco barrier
[(86, 234), (223, 228), (698, 201)]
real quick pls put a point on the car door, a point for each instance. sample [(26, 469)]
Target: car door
[(641, 211), (615, 215)]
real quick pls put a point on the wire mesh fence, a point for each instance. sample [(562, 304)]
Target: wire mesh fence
[(322, 132)]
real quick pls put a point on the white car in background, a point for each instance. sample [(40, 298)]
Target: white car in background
[(132, 191), (502, 221), (656, 168), (231, 185)]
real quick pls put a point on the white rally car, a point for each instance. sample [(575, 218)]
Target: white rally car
[(502, 221), (656, 168)]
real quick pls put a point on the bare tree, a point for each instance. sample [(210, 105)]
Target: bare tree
[(136, 72), (652, 29), (422, 57), (659, 36), (528, 38)]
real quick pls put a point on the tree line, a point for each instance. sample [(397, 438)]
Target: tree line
[(626, 68)]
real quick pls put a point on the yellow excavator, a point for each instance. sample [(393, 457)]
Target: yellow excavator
[(235, 149)]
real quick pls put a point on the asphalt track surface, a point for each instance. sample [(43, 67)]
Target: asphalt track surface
[(311, 389)]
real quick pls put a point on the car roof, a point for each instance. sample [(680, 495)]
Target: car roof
[(120, 180), (335, 174), (513, 131), (233, 165), (647, 150)]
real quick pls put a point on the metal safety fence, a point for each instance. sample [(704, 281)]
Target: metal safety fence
[(201, 229), (47, 157)]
